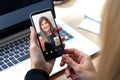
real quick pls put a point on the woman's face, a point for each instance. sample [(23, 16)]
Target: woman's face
[(45, 26)]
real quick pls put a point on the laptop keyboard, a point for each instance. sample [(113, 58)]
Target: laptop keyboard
[(17, 51)]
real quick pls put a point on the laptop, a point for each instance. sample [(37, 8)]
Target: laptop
[(14, 37)]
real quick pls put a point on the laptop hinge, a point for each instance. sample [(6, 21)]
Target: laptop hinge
[(14, 37)]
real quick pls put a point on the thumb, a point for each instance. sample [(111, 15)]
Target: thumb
[(69, 61), (33, 36)]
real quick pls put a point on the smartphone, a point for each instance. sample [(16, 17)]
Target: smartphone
[(47, 34)]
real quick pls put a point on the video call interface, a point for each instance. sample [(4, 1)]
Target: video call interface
[(48, 35)]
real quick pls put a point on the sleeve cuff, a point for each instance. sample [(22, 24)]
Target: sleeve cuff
[(37, 74)]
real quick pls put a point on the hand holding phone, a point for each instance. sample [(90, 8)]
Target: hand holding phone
[(47, 33)]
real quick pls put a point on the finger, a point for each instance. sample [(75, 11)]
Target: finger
[(62, 38), (59, 29), (67, 72), (62, 63), (74, 52), (33, 36), (74, 77), (63, 45), (69, 61)]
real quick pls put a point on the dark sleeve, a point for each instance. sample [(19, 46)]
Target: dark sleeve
[(36, 74)]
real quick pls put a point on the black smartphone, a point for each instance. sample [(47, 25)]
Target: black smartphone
[(47, 34)]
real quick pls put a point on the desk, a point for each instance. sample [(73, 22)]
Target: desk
[(72, 13)]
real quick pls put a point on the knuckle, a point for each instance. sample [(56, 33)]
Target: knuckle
[(77, 68), (33, 47), (69, 62)]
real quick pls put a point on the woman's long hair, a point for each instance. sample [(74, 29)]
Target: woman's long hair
[(52, 29), (109, 67)]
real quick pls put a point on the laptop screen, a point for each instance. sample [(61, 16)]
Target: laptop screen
[(14, 14)]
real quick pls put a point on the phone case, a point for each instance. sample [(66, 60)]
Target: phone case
[(47, 33)]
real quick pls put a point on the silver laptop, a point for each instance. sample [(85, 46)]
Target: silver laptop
[(14, 37)]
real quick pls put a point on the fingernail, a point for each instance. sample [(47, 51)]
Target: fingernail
[(64, 57), (31, 28)]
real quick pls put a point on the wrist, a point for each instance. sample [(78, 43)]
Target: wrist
[(33, 66), (39, 67)]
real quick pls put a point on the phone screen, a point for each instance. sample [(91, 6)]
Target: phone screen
[(47, 33)]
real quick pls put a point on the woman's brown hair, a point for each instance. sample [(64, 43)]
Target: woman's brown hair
[(52, 29), (109, 67)]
